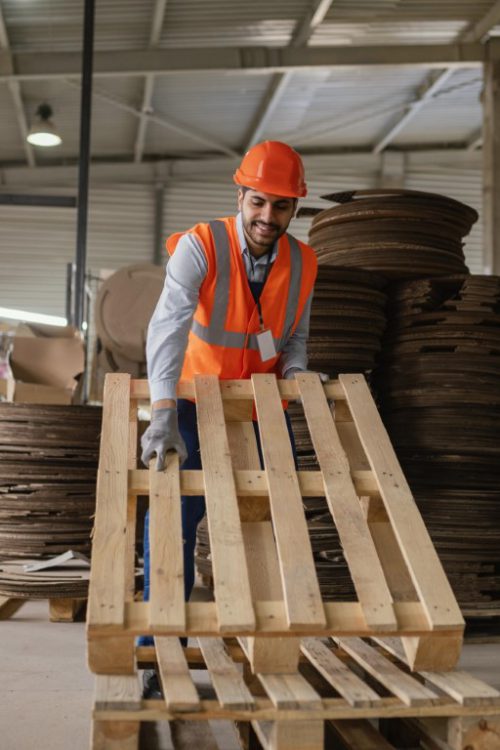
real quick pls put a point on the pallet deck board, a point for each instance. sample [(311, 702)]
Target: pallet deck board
[(357, 544), (300, 585), (232, 585), (415, 543), (167, 609), (178, 687)]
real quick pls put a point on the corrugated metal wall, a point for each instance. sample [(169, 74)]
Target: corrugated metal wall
[(37, 243), (460, 181)]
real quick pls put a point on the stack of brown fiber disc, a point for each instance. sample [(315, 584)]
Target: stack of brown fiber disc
[(48, 470), (439, 390), (347, 320), (397, 233)]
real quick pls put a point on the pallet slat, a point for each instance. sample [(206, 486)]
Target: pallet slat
[(300, 585), (167, 610), (357, 544), (416, 546), (232, 586), (406, 688), (109, 547), (226, 678), (290, 691), (351, 687), (178, 687)]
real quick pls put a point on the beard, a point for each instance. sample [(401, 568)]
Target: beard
[(265, 239)]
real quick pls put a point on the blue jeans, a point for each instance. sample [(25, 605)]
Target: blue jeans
[(192, 506)]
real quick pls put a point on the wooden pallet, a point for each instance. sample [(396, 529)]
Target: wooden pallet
[(265, 586), (339, 690), (60, 609)]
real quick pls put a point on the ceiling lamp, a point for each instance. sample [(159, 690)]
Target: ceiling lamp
[(42, 131)]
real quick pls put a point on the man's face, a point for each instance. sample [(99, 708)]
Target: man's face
[(265, 218)]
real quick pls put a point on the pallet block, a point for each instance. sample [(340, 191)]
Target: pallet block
[(265, 586)]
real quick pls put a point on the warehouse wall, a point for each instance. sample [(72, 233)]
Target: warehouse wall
[(37, 243)]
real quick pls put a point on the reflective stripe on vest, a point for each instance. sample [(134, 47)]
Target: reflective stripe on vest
[(215, 332)]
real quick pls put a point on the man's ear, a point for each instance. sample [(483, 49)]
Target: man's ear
[(295, 206), (241, 195)]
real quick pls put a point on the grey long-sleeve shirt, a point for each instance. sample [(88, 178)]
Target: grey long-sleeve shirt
[(171, 321)]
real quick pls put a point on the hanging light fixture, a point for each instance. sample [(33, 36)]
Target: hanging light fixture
[(43, 131)]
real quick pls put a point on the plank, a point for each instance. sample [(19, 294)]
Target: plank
[(178, 687), (458, 684), (237, 390), (359, 734), (167, 606), (132, 503), (231, 583), (355, 691), (226, 678), (298, 576), (252, 482), (357, 544), (416, 546), (342, 618), (113, 692), (407, 689), (290, 691), (109, 546)]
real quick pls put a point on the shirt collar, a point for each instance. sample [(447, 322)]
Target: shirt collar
[(243, 242)]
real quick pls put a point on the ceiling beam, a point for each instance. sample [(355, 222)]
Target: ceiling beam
[(45, 65), (479, 29), (314, 18), (164, 122), (147, 94), (427, 92), (218, 167), (17, 99), (280, 81)]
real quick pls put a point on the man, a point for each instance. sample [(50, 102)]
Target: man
[(236, 301)]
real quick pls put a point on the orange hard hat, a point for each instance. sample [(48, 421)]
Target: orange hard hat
[(272, 167)]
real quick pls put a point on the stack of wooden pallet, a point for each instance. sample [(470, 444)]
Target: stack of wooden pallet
[(266, 592)]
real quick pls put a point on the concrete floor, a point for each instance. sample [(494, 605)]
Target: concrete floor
[(46, 690)]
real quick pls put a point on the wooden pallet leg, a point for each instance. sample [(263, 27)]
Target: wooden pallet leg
[(267, 655), (64, 610), (474, 733), (111, 656), (115, 735), (433, 652), (9, 606)]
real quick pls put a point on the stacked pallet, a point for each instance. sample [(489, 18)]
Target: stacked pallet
[(397, 233), (48, 468), (439, 391)]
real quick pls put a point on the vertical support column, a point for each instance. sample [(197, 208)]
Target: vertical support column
[(392, 170), (491, 159)]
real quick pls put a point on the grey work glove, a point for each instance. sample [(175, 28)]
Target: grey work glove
[(290, 374), (161, 436)]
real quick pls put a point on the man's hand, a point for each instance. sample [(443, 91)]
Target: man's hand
[(290, 374), (161, 436)]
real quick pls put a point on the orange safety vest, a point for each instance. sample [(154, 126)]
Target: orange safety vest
[(222, 340)]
